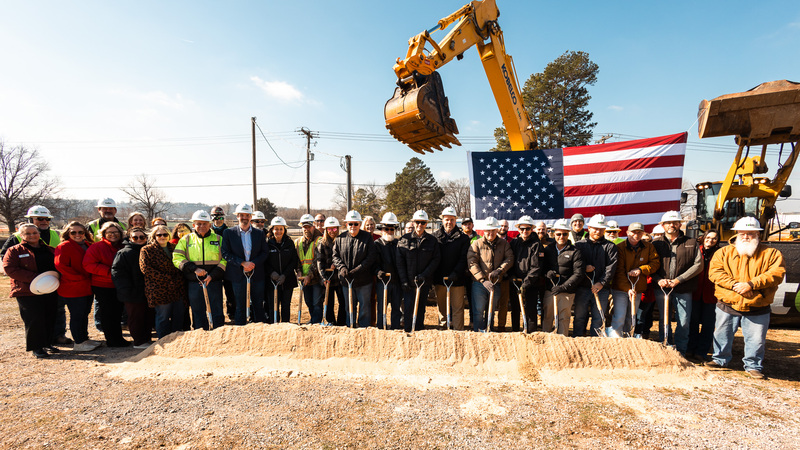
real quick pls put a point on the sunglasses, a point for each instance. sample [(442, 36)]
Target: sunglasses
[(320, 221), (217, 217), (43, 219), (561, 234), (525, 228), (162, 235), (112, 233), (258, 221), (76, 233), (139, 238), (388, 229)]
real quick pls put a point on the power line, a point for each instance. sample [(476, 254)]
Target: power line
[(273, 150)]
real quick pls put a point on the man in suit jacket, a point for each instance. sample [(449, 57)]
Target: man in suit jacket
[(245, 249)]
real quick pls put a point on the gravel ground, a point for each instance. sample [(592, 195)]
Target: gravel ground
[(68, 401)]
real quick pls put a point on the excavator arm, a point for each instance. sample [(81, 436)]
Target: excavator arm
[(419, 115)]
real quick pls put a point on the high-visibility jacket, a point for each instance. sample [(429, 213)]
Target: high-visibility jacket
[(307, 256), (200, 252), (51, 239), (94, 227)]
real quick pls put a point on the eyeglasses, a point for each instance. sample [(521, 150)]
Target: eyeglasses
[(258, 221), (561, 234), (43, 219), (388, 229), (112, 233), (76, 233), (139, 238), (320, 221), (162, 235), (218, 217), (525, 228)]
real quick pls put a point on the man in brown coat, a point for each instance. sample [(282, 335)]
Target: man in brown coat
[(488, 258), (637, 260)]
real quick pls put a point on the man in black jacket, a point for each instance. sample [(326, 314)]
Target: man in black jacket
[(386, 271), (563, 267), (453, 246), (354, 256), (527, 268), (600, 263), (417, 258)]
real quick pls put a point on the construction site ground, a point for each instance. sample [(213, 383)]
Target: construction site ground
[(279, 386)]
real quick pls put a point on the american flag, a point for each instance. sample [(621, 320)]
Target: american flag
[(630, 181)]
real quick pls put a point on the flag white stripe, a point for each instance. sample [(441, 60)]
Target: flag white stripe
[(624, 155), (648, 220), (656, 173), (622, 198)]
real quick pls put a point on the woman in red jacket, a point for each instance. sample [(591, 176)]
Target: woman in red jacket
[(75, 289), (97, 261)]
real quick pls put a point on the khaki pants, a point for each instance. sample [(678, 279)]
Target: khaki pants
[(564, 305), (501, 305), (457, 294)]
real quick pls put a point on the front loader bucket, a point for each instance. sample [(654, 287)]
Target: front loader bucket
[(763, 114), (418, 115)]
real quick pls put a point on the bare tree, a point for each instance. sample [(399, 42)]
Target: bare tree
[(456, 194), (24, 182), (146, 198)]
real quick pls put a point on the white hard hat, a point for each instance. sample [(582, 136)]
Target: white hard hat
[(277, 220), (45, 283), (389, 219), (562, 224), (658, 229), (525, 220), (597, 221), (106, 203), (258, 215), (243, 208), (671, 216), (613, 225), (307, 219), (449, 211), (420, 215), (747, 224), (331, 222), (201, 216), (38, 211), (490, 223), (352, 216)]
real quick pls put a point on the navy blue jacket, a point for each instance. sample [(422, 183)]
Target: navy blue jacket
[(233, 253)]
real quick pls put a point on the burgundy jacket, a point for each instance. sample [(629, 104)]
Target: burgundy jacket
[(20, 265)]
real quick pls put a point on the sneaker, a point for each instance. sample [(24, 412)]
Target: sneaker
[(85, 346), (754, 373), (52, 349), (63, 340), (40, 353), (143, 346), (714, 365), (94, 343)]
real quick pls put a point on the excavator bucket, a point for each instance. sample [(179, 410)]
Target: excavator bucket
[(418, 115), (768, 113)]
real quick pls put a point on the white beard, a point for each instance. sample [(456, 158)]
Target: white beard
[(388, 237), (746, 248)]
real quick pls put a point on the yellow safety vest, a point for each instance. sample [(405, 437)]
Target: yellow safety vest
[(201, 251), (52, 240), (307, 257), (94, 228)]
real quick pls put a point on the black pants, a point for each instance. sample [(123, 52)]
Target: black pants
[(141, 318), (530, 297), (230, 299), (38, 313), (284, 303), (409, 297), (110, 315), (332, 312)]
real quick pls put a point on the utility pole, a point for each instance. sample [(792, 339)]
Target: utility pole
[(349, 170), (309, 135), (603, 139), (253, 130)]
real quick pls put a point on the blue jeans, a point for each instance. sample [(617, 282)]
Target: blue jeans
[(584, 302), (79, 308), (312, 294), (621, 318), (256, 301), (701, 328), (754, 330), (169, 318), (361, 297), (198, 304), (644, 319), (395, 300), (480, 305), (680, 304)]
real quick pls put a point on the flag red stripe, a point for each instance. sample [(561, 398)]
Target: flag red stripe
[(624, 210), (679, 138), (617, 188), (629, 164)]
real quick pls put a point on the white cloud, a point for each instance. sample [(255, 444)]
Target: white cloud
[(444, 175), (278, 89), (615, 108)]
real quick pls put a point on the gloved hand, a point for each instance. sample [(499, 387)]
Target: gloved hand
[(552, 275), (343, 273), (407, 286), (495, 275), (527, 284), (275, 276), (557, 289), (381, 274), (418, 280), (452, 277), (488, 285), (281, 279)]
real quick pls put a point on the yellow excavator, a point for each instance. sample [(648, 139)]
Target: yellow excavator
[(418, 114)]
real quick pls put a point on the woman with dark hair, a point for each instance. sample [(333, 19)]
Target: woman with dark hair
[(129, 282), (23, 263), (75, 289), (324, 262), (282, 260), (98, 260), (178, 232), (163, 282), (701, 324)]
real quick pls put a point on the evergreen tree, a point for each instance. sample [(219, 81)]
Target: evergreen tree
[(414, 188), (267, 207)]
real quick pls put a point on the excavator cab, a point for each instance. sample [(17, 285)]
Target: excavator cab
[(418, 114)]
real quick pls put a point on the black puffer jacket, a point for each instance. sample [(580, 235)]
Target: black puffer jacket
[(127, 276), (453, 248), (568, 264), (417, 256), (282, 258), (603, 255), (387, 259), (526, 260), (323, 259), (357, 254)]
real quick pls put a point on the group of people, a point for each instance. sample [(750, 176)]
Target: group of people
[(373, 274)]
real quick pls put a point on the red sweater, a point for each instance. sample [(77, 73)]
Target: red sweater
[(75, 280), (98, 260)]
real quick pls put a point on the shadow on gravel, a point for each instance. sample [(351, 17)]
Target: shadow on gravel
[(103, 355), (781, 361)]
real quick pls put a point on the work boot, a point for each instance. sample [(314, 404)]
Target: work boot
[(63, 340), (40, 353), (755, 373), (714, 365)]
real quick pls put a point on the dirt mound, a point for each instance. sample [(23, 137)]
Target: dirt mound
[(443, 356)]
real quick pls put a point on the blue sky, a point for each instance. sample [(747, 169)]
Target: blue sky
[(109, 90)]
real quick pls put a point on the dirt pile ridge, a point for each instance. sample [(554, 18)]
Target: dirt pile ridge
[(444, 356)]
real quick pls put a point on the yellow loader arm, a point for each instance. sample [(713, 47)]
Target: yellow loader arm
[(418, 114)]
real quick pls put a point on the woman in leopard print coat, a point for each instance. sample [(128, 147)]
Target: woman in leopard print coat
[(163, 282)]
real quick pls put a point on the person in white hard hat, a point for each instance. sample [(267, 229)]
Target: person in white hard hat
[(681, 263), (282, 261), (107, 208), (637, 260), (259, 221), (563, 272), (306, 246), (41, 217), (453, 244), (244, 248), (327, 270), (600, 258), (418, 256), (355, 255), (526, 267), (612, 232), (658, 231), (23, 263), (199, 256), (488, 259), (386, 271), (746, 274)]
